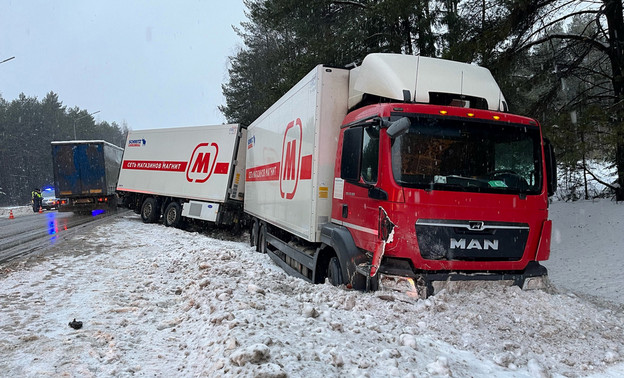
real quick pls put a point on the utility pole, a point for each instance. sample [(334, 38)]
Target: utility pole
[(77, 119)]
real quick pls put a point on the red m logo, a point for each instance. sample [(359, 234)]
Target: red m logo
[(291, 159), (202, 162), (290, 162)]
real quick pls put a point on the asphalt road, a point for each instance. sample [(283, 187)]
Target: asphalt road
[(31, 233)]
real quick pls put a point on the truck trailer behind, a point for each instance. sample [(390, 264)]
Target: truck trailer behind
[(85, 174), (185, 173)]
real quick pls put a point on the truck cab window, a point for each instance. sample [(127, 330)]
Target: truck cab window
[(370, 155), (450, 155), (360, 154), (351, 154)]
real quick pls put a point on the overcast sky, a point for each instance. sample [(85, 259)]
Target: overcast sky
[(151, 64)]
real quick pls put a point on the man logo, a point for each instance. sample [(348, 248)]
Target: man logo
[(477, 225), (291, 159), (202, 163), (484, 244)]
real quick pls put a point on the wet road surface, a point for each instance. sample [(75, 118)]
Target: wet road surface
[(30, 233)]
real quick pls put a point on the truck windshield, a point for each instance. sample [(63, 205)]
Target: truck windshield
[(476, 156)]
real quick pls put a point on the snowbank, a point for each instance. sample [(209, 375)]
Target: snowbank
[(17, 211), (160, 301)]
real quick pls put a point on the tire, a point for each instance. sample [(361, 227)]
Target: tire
[(172, 215), (253, 235), (262, 242), (149, 210), (112, 204), (334, 273)]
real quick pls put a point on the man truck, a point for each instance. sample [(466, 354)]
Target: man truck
[(406, 172), (85, 175)]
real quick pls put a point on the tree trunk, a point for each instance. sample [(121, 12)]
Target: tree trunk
[(615, 22)]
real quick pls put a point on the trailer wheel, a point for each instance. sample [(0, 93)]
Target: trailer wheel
[(173, 215), (253, 234), (149, 210), (262, 242), (334, 274), (112, 204)]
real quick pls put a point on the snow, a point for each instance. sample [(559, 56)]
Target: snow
[(165, 302), (16, 210), (587, 245)]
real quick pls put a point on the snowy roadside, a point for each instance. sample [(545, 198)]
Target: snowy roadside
[(15, 210), (587, 248), (164, 302)]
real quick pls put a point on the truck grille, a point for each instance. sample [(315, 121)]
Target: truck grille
[(471, 240)]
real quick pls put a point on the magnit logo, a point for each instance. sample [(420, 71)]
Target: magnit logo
[(136, 142), (291, 159), (202, 163)]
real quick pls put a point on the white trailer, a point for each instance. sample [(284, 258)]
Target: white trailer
[(291, 152), (187, 172)]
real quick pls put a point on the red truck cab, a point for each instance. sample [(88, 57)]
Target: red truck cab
[(437, 192)]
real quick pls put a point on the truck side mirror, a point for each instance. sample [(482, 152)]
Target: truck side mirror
[(398, 128), (551, 167)]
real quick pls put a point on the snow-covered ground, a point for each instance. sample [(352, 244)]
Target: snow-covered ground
[(5, 212), (164, 302), (587, 251)]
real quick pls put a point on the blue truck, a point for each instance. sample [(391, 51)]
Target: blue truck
[(85, 175)]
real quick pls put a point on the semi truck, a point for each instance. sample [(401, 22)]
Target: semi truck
[(405, 173), (185, 174), (85, 175)]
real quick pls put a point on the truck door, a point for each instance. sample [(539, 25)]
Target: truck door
[(92, 168), (359, 208)]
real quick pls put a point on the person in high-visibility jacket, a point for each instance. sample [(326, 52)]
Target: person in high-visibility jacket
[(36, 199)]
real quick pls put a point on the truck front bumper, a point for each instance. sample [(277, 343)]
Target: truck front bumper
[(425, 284)]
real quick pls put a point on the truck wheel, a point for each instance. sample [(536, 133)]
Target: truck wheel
[(262, 243), (334, 274), (149, 210), (112, 204), (253, 235), (173, 215)]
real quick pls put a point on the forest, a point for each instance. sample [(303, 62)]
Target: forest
[(27, 126), (558, 61)]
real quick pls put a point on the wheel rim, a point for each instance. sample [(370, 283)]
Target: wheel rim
[(172, 215), (147, 210)]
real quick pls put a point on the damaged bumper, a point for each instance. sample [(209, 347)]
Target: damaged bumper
[(425, 284)]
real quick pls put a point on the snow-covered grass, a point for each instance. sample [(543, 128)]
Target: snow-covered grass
[(160, 301), (16, 210)]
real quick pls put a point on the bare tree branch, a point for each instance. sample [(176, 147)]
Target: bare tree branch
[(347, 2), (610, 186), (585, 39), (558, 20)]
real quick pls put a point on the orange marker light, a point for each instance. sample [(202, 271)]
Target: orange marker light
[(470, 114), (496, 117), (443, 112)]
